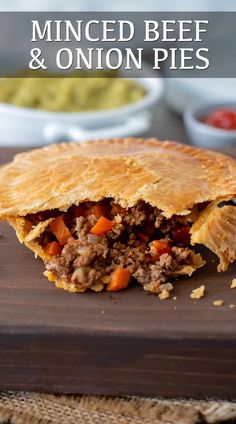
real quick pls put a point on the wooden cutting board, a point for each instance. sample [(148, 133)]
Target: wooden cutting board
[(129, 343)]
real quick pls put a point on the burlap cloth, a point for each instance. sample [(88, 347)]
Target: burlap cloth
[(35, 408)]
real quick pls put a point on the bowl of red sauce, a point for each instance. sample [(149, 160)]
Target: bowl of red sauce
[(212, 126)]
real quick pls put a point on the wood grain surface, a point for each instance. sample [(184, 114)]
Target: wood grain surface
[(121, 344)]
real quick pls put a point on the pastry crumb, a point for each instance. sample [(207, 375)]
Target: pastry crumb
[(165, 291), (218, 302), (167, 286), (198, 292), (175, 298), (233, 283), (165, 294), (232, 306)]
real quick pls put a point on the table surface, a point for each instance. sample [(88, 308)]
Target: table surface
[(167, 125), (127, 343)]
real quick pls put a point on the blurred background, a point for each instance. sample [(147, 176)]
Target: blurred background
[(97, 5), (158, 112)]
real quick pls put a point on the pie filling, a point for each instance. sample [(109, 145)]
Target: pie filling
[(100, 244)]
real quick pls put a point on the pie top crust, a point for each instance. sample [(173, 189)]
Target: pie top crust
[(168, 175)]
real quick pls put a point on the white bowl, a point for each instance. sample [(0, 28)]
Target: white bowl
[(20, 126), (181, 93), (206, 136)]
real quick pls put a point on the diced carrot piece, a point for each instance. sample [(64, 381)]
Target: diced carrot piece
[(102, 226), (119, 279), (181, 235), (80, 210), (53, 248), (97, 210), (60, 230), (158, 247), (143, 237)]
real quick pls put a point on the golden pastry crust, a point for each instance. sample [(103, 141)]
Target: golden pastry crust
[(168, 175), (171, 176), (216, 229)]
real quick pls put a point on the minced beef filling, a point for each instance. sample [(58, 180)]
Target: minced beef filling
[(141, 240)]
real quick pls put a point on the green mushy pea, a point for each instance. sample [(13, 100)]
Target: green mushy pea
[(72, 93)]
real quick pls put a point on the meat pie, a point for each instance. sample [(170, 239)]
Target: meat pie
[(102, 214)]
